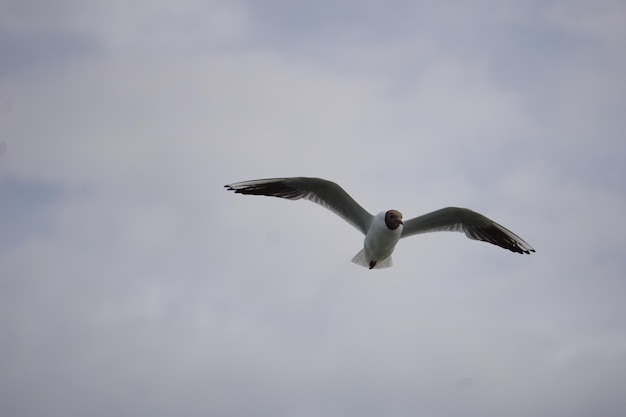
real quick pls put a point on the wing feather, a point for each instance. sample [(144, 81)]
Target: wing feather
[(325, 193), (474, 225)]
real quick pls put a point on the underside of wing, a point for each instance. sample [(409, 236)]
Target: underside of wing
[(474, 225), (325, 193)]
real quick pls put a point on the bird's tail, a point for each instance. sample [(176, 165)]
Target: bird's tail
[(361, 259)]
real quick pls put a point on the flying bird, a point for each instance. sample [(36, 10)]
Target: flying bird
[(383, 230)]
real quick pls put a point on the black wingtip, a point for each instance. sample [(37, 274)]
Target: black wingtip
[(497, 235), (521, 251)]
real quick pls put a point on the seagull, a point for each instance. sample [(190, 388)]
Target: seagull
[(383, 230)]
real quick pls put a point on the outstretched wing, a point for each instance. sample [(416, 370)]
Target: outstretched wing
[(323, 192), (474, 225)]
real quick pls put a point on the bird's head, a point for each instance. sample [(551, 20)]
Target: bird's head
[(393, 219)]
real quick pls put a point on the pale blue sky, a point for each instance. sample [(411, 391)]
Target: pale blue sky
[(133, 284)]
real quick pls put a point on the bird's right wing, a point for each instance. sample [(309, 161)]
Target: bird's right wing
[(320, 191)]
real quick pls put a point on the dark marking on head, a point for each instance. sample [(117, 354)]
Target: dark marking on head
[(393, 219)]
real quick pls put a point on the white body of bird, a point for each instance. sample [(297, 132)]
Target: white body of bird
[(378, 245)]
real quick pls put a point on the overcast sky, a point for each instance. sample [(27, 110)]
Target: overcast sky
[(133, 284)]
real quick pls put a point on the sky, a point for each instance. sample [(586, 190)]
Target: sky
[(133, 284)]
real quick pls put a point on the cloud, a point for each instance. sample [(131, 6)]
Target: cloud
[(133, 284)]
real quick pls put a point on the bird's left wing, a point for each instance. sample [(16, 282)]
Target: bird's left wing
[(474, 225), (320, 191)]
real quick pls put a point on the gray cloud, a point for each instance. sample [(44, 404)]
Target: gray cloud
[(133, 284)]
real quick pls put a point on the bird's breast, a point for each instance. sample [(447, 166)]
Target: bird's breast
[(380, 241)]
